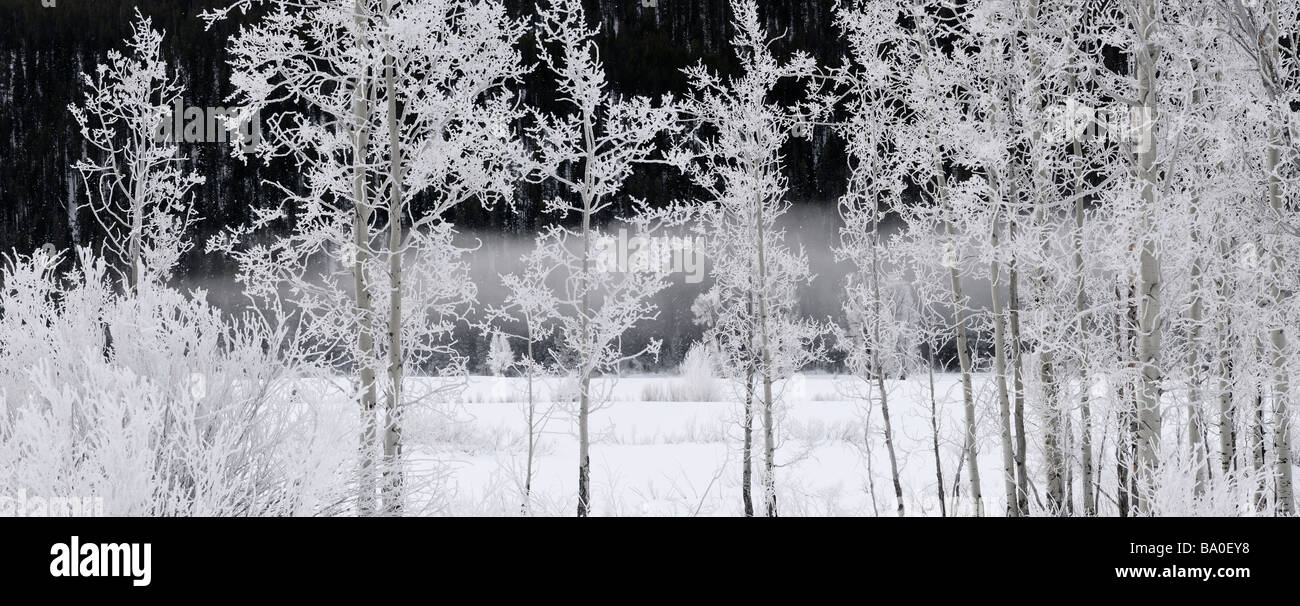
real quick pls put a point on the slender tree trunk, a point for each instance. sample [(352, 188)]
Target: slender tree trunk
[(1017, 376), (1227, 422), (963, 354), (137, 225), (879, 367), (971, 447), (934, 433), (1257, 439), (1052, 435), (365, 307), (1000, 372), (889, 443), (968, 393), (1225, 372), (532, 426), (392, 430), (1042, 183), (1081, 309), (747, 454), (584, 395), (1122, 448), (1067, 445), (1277, 339), (769, 449), (1135, 488), (769, 438), (584, 404), (1149, 280), (1124, 416), (1196, 389)]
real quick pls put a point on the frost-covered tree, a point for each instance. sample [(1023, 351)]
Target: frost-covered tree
[(1266, 33), (590, 148), (936, 138), (138, 184), (500, 357), (532, 305), (877, 343), (391, 101), (733, 154)]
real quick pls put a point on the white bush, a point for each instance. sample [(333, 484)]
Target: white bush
[(153, 403), (500, 356), (698, 382)]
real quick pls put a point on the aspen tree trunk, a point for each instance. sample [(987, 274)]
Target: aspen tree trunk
[(1042, 181), (1278, 358), (1257, 439), (1067, 446), (1080, 308), (1013, 349), (876, 363), (747, 454), (1124, 416), (1131, 404), (532, 437), (1195, 390), (137, 223), (1195, 365), (1000, 371), (1000, 351), (1121, 460), (934, 432), (769, 438), (1052, 435), (1227, 422), (968, 394), (884, 406), (1017, 374), (361, 240), (1225, 371), (889, 443), (1149, 285), (584, 397), (392, 429)]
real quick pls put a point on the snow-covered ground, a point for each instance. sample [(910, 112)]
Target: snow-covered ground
[(684, 458)]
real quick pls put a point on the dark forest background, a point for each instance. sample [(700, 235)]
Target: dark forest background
[(43, 51)]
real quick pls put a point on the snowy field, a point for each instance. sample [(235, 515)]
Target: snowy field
[(665, 458)]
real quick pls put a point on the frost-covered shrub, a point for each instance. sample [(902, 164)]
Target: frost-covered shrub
[(698, 381), (500, 356), (153, 403)]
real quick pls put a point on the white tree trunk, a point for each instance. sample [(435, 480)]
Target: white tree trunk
[(769, 437), (1277, 338), (392, 427), (967, 391), (1000, 375), (1149, 272), (880, 375)]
